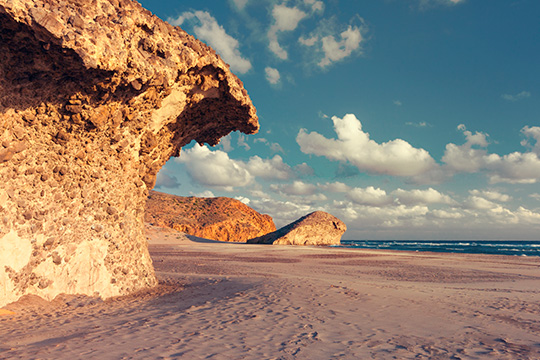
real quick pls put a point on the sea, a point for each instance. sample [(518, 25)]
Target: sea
[(499, 247)]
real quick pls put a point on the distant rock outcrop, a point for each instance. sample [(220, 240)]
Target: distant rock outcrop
[(317, 228), (219, 218), (95, 96)]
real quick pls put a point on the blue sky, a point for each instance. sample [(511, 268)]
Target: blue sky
[(407, 119)]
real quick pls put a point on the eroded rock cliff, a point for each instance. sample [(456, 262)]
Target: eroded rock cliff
[(316, 228), (218, 218), (95, 96)]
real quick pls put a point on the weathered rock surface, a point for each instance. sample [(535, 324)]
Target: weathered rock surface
[(317, 228), (95, 96), (218, 218)]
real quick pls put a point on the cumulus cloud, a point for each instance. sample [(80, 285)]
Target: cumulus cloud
[(272, 75), (490, 195), (285, 19), (516, 167), (337, 187), (516, 97), (207, 29), (216, 169), (283, 212), (467, 157), (421, 197), (225, 142), (165, 179), (480, 203), (273, 168), (534, 133), (331, 42), (304, 169), (446, 215), (335, 50), (370, 196), (296, 188), (395, 157)]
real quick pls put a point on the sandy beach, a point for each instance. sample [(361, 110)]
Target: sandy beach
[(237, 301)]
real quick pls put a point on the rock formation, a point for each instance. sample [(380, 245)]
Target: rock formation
[(317, 228), (219, 218), (95, 96)]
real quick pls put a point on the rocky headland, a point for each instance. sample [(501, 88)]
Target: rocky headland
[(218, 218), (316, 228), (95, 97)]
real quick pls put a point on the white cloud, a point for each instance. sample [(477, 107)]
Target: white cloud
[(298, 187), (304, 169), (514, 168), (421, 197), (448, 215), (273, 168), (242, 142), (532, 132), (285, 19), (516, 97), (395, 157), (337, 187), (283, 212), (165, 179), (491, 195), (316, 5), (207, 29), (272, 75), (397, 103), (370, 196), (225, 142), (214, 168), (308, 41), (243, 199), (527, 216), (466, 158), (480, 203), (335, 50), (275, 147), (205, 193), (331, 42)]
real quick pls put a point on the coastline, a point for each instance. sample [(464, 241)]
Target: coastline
[(230, 301)]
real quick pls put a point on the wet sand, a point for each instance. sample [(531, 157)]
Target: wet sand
[(238, 301)]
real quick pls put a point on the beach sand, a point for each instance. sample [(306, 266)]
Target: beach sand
[(238, 301)]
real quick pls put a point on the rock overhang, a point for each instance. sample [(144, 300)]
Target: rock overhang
[(95, 97)]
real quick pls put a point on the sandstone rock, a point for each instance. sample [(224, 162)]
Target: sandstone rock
[(108, 91), (317, 228), (219, 218)]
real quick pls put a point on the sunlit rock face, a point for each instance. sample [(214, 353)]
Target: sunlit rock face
[(317, 228), (215, 218), (95, 97)]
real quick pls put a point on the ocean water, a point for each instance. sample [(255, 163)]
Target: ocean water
[(517, 248)]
